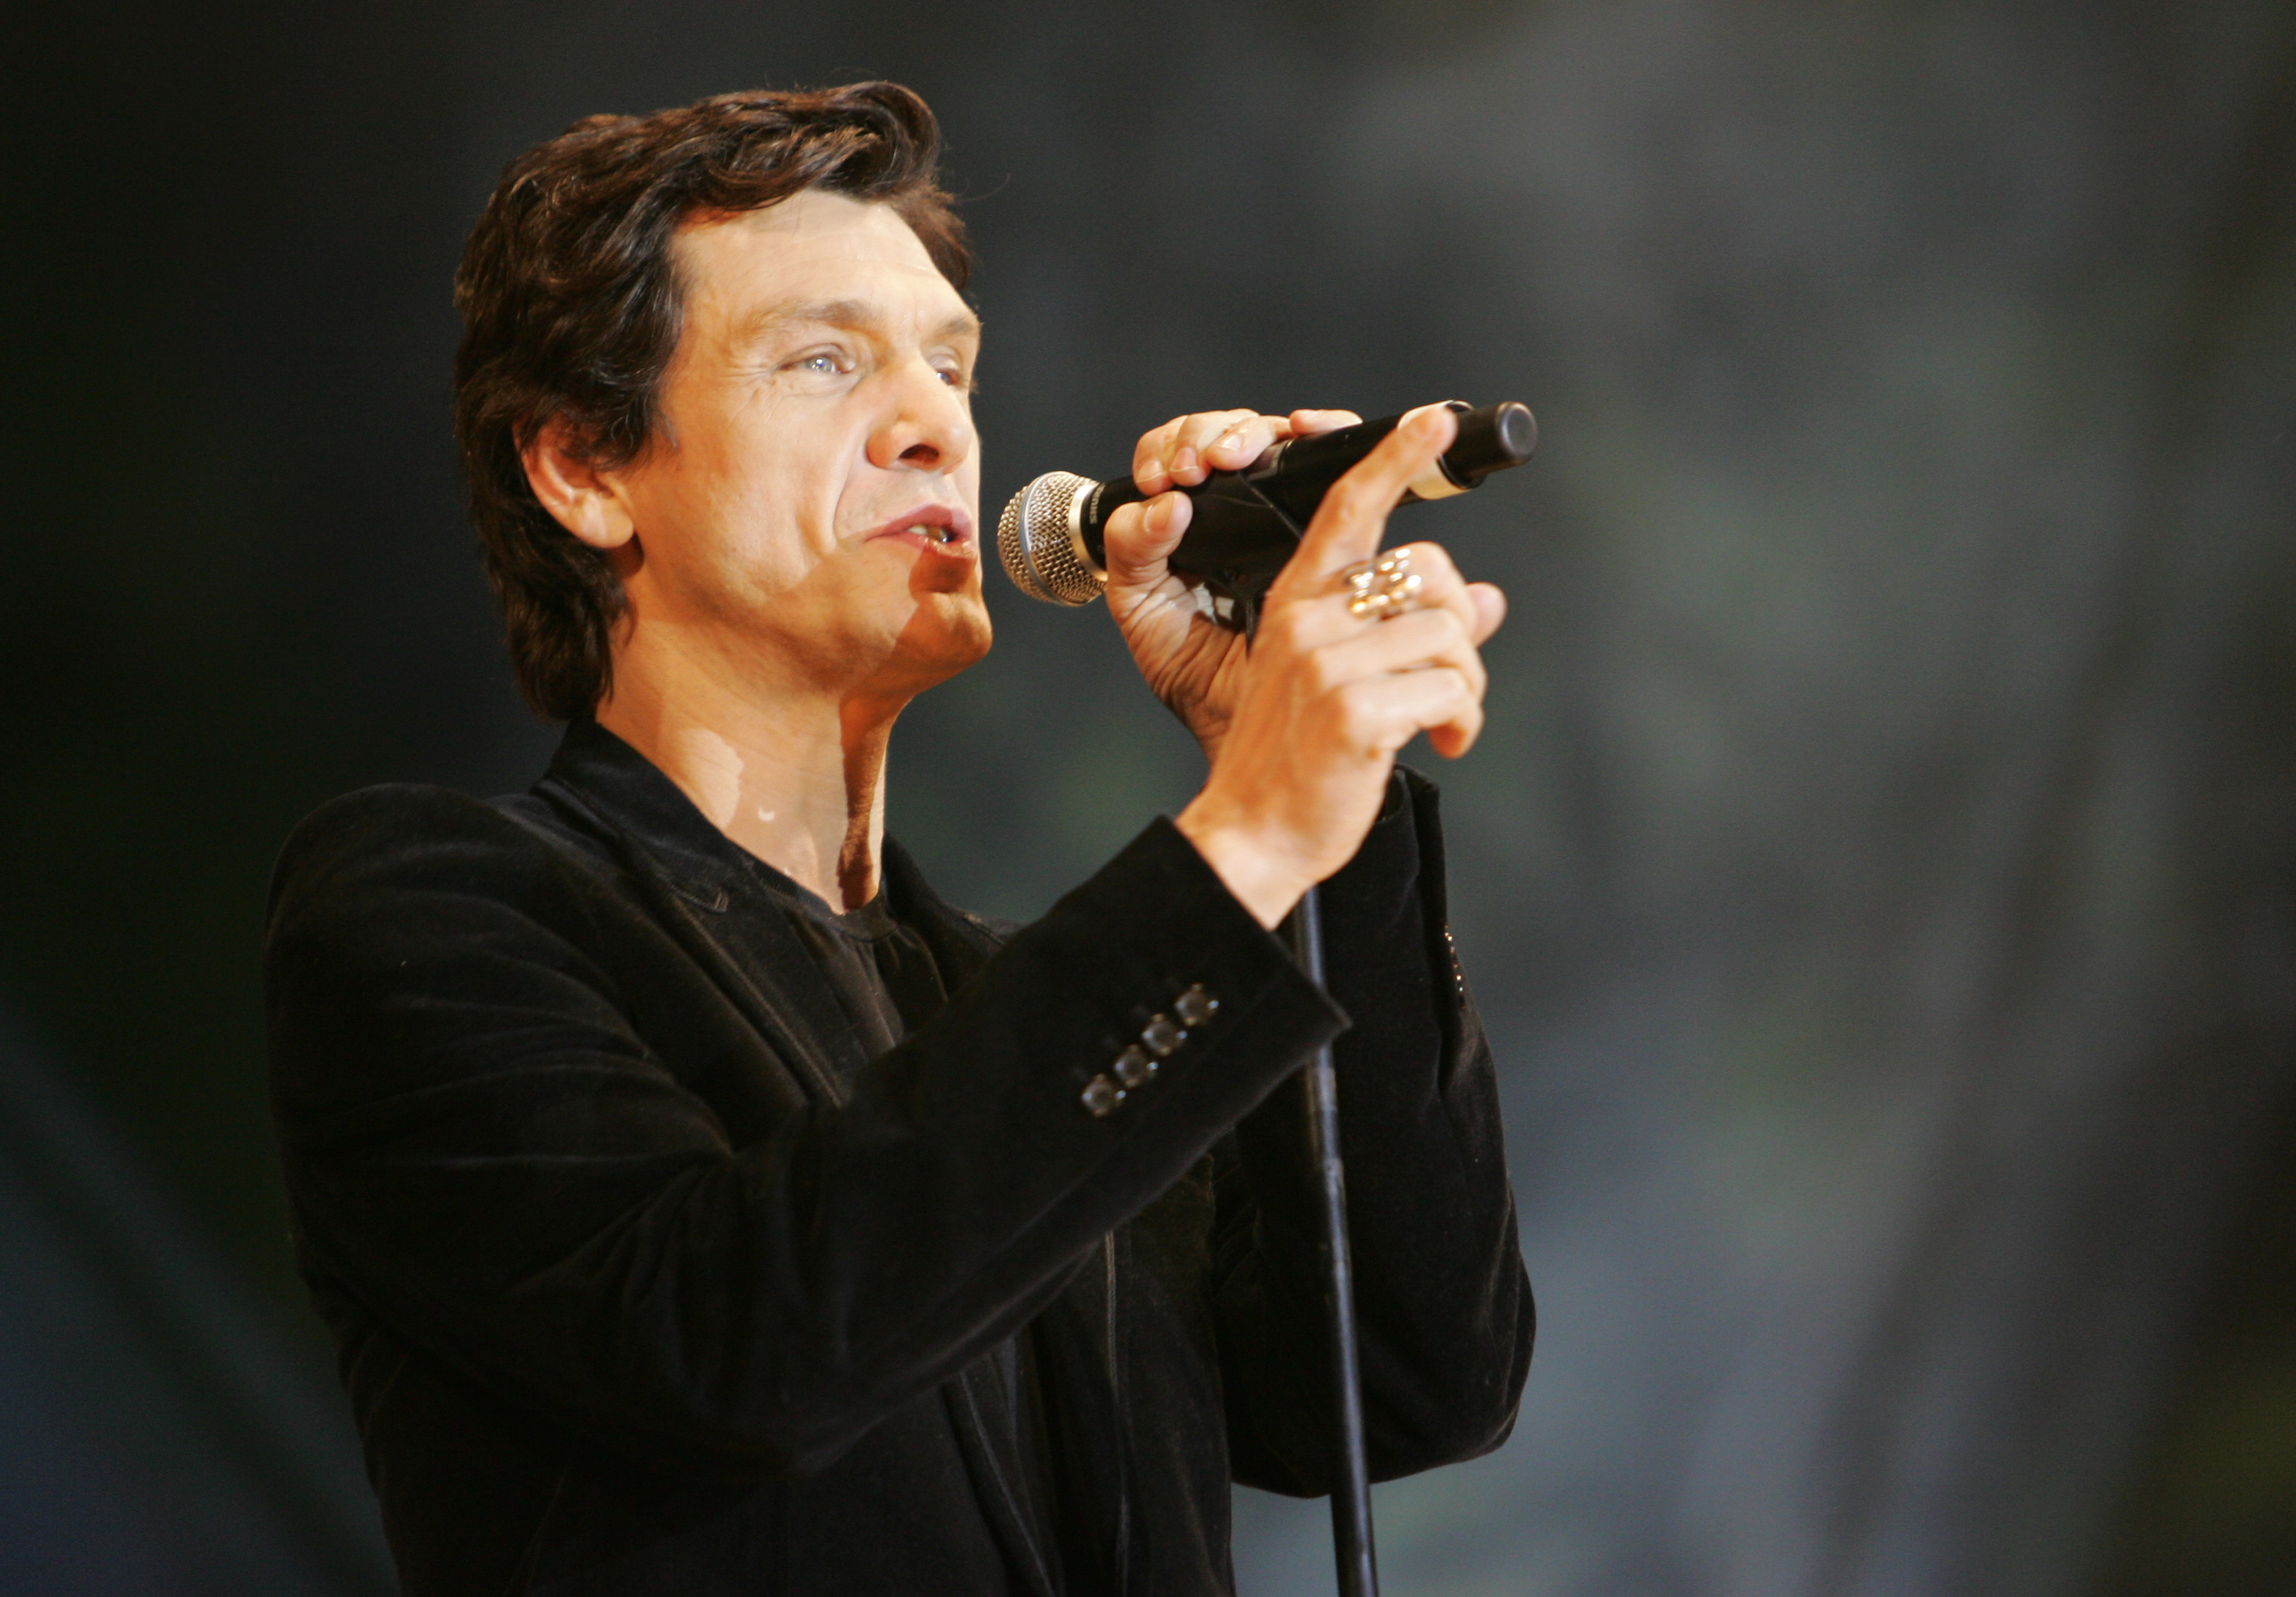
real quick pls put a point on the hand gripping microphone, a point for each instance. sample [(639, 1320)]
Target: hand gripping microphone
[(1053, 537)]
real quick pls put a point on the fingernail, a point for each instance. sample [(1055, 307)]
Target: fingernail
[(1185, 461)]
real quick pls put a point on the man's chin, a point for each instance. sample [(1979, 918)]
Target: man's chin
[(947, 633)]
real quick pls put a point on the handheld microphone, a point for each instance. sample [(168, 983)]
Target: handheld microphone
[(1053, 537)]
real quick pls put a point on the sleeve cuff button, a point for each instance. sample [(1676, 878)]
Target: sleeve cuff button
[(1101, 1097), (1195, 1005), (1134, 1065)]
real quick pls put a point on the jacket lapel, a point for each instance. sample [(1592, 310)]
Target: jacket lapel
[(800, 1019)]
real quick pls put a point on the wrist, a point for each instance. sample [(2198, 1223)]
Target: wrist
[(1257, 877), (1207, 729)]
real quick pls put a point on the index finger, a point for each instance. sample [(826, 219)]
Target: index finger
[(1349, 523), (1307, 423)]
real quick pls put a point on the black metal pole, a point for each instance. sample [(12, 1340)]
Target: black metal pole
[(1351, 1539)]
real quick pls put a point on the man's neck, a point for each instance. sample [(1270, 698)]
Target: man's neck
[(796, 775)]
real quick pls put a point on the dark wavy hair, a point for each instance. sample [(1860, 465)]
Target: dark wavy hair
[(571, 308)]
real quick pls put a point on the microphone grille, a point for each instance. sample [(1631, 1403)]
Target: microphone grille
[(1039, 542)]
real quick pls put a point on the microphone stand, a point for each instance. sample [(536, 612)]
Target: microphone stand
[(1351, 1538)]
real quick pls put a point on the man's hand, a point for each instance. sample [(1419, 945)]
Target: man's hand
[(1191, 662), (1317, 710)]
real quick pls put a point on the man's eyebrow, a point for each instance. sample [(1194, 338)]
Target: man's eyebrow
[(842, 313), (963, 324)]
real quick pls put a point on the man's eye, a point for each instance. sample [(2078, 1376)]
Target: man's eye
[(826, 364)]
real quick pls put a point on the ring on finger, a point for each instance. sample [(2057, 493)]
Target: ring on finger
[(1382, 587)]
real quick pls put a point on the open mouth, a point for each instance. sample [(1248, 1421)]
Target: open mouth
[(935, 526)]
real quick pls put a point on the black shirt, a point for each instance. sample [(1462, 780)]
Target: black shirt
[(883, 974)]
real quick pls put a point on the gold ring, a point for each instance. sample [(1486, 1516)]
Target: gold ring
[(1382, 587)]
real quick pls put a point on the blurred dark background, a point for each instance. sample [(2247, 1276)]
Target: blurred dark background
[(1877, 873)]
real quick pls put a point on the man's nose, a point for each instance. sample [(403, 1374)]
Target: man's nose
[(929, 428)]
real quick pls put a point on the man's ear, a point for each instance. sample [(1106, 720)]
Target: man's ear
[(586, 501)]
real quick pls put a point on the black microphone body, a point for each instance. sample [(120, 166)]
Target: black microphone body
[(1053, 537)]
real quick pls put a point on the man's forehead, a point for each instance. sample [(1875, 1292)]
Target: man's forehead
[(819, 256)]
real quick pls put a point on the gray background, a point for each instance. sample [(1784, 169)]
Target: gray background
[(1877, 871)]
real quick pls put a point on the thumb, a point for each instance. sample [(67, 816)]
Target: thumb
[(1139, 539)]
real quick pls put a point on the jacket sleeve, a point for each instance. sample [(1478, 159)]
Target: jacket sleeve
[(1442, 1299), (482, 1150)]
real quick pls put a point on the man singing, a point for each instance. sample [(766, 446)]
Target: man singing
[(698, 1204)]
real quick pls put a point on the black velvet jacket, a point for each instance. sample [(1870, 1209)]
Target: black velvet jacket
[(641, 1285)]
